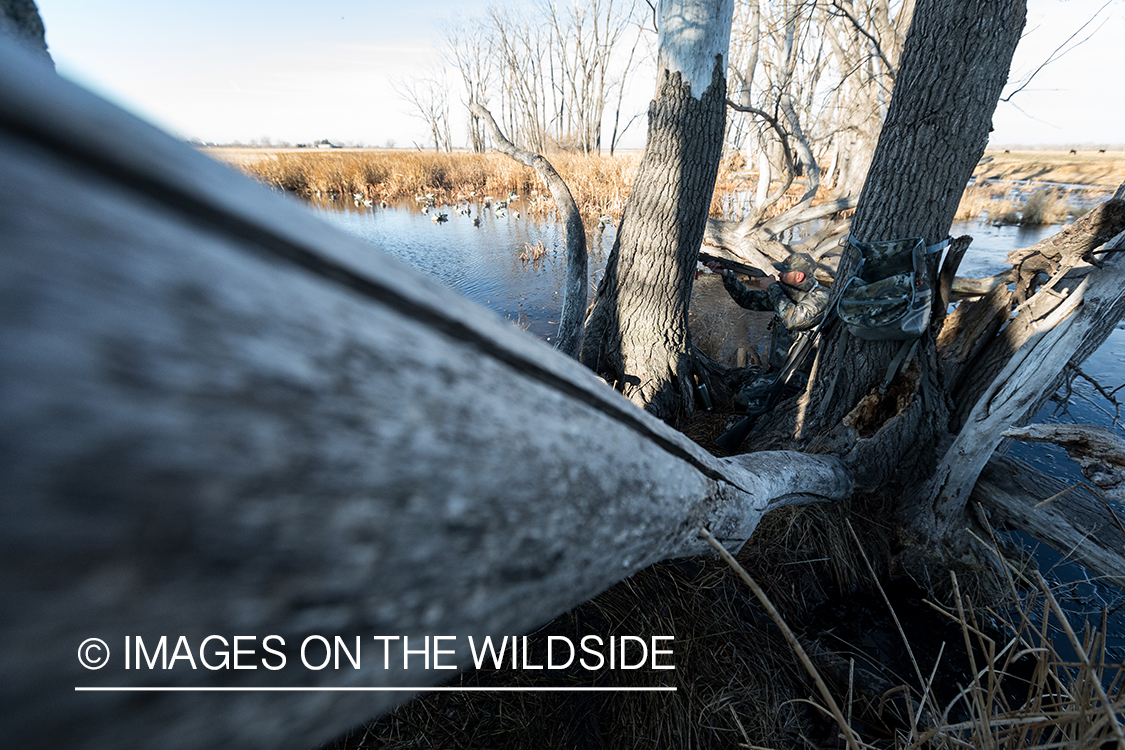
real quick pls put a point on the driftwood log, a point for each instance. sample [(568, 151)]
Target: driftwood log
[(1099, 453), (1080, 527), (221, 416)]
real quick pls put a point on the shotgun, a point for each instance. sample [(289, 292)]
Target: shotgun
[(733, 265)]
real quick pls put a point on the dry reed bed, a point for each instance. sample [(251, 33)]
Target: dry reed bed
[(600, 185), (998, 205), (741, 683)]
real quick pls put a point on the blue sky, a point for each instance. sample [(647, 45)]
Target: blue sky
[(301, 71)]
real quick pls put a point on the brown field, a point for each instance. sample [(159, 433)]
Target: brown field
[(1084, 168), (1027, 187), (601, 184)]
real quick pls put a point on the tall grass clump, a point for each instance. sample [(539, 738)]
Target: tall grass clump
[(1045, 207), (1032, 682), (1040, 208), (977, 201)]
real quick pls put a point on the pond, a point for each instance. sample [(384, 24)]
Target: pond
[(483, 262), (480, 261)]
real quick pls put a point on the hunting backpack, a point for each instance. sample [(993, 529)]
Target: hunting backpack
[(889, 296)]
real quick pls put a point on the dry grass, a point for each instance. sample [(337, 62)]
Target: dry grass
[(740, 683), (1041, 207), (533, 254), (1045, 207), (978, 201), (600, 185), (1021, 692), (991, 195), (727, 669), (996, 202)]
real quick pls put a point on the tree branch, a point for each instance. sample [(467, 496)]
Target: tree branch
[(569, 340), (784, 139), (859, 27)]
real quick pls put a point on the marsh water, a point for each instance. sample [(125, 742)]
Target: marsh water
[(483, 262)]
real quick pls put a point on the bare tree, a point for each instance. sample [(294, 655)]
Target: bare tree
[(428, 97), (569, 338), (468, 49), (551, 69), (523, 51), (584, 38), (814, 80)]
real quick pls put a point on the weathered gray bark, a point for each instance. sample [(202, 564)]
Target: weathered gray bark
[(1044, 337), (1034, 265), (569, 338), (220, 416), (637, 335), (1074, 524), (1099, 453), (20, 20)]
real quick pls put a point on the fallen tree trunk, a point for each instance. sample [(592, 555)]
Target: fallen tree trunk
[(1075, 524), (1099, 453), (223, 417)]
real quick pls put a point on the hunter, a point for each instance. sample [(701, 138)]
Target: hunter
[(795, 298)]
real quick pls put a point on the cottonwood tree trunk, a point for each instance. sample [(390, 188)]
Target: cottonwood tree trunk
[(954, 65), (637, 336)]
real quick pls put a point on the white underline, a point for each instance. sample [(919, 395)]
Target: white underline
[(371, 689)]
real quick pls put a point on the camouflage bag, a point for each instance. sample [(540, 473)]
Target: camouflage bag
[(889, 296)]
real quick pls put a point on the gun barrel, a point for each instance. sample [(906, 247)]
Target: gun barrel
[(733, 265)]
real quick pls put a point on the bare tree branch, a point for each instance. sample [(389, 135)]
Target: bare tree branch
[(841, 10), (569, 339), (1059, 51)]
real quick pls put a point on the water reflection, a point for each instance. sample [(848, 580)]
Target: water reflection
[(480, 261), (991, 244)]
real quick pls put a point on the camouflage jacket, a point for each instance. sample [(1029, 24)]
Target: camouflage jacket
[(795, 309)]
